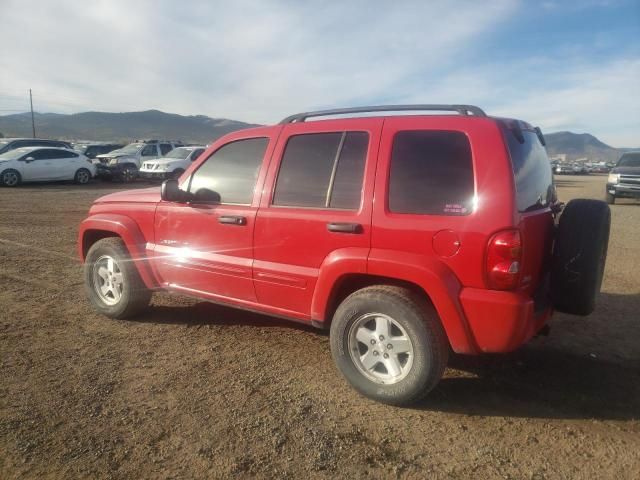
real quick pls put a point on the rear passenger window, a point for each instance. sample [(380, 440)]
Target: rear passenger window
[(431, 173), (322, 170), (229, 175)]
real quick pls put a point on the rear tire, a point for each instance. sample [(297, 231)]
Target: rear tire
[(82, 176), (579, 255), (112, 281), (10, 178), (611, 199), (389, 344)]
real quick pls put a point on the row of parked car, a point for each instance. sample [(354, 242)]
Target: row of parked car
[(564, 168), (34, 160)]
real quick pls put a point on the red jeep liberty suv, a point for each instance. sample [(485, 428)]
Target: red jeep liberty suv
[(407, 235)]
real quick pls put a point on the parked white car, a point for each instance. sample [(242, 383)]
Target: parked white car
[(173, 164), (42, 164)]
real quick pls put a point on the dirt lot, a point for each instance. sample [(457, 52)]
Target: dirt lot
[(193, 390)]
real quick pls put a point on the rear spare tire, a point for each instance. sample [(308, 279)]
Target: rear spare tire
[(579, 255)]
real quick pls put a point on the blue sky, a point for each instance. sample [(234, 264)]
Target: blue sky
[(562, 65)]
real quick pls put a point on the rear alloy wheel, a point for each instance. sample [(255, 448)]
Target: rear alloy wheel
[(10, 178), (129, 174), (389, 344), (82, 176)]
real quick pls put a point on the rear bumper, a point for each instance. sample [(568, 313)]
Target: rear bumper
[(623, 190), (501, 321)]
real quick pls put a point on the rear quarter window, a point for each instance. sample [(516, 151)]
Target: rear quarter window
[(431, 173), (531, 171)]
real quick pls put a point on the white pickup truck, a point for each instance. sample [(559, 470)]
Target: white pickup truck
[(124, 163)]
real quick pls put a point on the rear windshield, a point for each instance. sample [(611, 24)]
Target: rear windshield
[(531, 169)]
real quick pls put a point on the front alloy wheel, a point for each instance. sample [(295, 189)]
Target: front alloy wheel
[(10, 178), (112, 281), (107, 280)]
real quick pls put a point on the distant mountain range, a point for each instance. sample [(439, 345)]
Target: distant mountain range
[(581, 145), (123, 127)]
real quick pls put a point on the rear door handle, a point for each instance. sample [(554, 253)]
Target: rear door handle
[(344, 227), (232, 220)]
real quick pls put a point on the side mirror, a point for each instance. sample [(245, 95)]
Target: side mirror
[(29, 159), (170, 191)]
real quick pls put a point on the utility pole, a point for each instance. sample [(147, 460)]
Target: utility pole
[(33, 122)]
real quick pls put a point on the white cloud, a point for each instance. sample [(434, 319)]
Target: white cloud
[(565, 94), (259, 61)]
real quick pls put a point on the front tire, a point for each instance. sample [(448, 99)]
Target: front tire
[(10, 178), (611, 199), (112, 282), (389, 344), (82, 176), (129, 174)]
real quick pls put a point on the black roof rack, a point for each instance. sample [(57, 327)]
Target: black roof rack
[(461, 109)]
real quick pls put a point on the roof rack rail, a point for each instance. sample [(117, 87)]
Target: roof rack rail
[(461, 109)]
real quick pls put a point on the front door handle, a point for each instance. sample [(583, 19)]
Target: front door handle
[(344, 227), (232, 220)]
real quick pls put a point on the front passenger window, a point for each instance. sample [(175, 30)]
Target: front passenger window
[(229, 175), (149, 151)]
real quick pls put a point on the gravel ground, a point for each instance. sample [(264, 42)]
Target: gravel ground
[(193, 390)]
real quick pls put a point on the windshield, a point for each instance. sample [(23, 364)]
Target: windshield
[(180, 153), (13, 154), (131, 148), (3, 144), (81, 148), (629, 160)]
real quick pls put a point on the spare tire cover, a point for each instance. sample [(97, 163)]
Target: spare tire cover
[(579, 255)]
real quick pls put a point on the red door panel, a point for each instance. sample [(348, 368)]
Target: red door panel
[(207, 248), (195, 251), (291, 243), (458, 241)]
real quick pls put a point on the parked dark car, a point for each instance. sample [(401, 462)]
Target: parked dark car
[(92, 150), (624, 178), (7, 144)]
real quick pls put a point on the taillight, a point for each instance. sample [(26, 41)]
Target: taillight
[(504, 256)]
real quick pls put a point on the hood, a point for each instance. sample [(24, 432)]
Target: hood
[(115, 153), (142, 195), (626, 170)]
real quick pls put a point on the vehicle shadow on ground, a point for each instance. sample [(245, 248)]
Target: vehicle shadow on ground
[(537, 381), (206, 313), (545, 381)]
